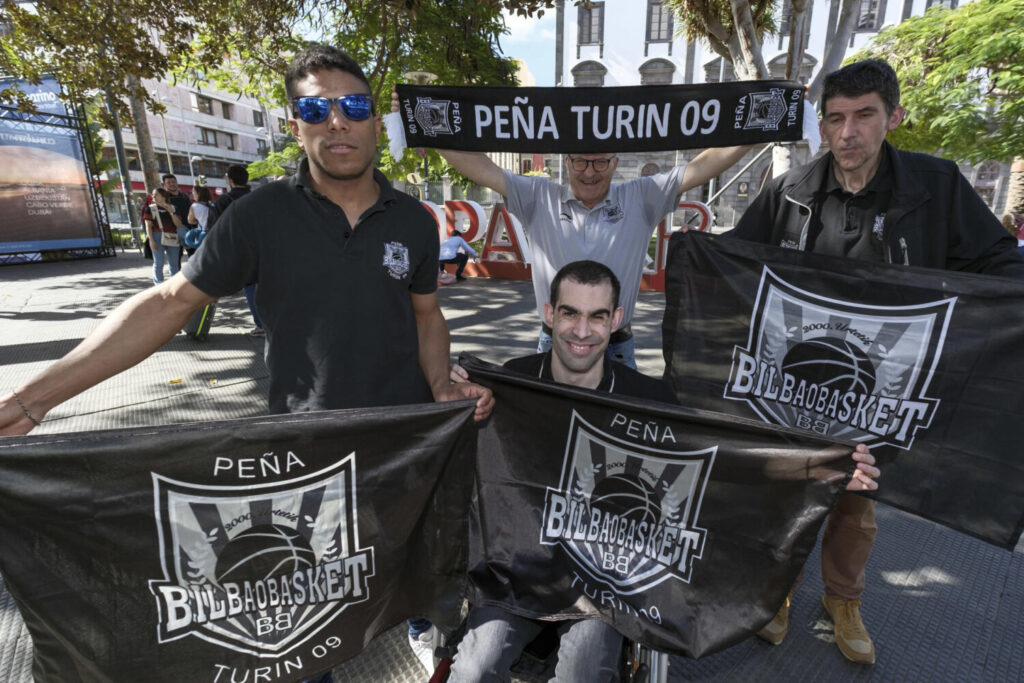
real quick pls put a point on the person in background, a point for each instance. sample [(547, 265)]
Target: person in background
[(1014, 224), (453, 250), (161, 218), (181, 203), (202, 205), (237, 178), (144, 204)]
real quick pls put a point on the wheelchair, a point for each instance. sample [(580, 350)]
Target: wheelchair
[(637, 663)]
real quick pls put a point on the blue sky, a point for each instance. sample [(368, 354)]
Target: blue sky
[(533, 40)]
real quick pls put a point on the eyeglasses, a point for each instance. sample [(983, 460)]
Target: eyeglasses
[(600, 165), (357, 107)]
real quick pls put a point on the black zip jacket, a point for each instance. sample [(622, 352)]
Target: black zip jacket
[(935, 219)]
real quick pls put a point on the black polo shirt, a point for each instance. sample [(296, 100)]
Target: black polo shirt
[(616, 378), (850, 224), (181, 204), (335, 301)]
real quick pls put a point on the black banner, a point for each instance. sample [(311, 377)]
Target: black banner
[(265, 549), (925, 366), (627, 119), (682, 529)]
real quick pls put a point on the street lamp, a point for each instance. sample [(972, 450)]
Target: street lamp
[(191, 160), (422, 78), (181, 115), (163, 127), (262, 130)]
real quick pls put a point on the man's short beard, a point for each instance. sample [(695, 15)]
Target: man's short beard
[(336, 176)]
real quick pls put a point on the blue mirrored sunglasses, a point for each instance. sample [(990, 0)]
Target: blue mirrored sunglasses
[(317, 109)]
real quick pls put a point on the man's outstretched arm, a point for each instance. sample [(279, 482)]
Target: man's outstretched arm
[(132, 332), (709, 164)]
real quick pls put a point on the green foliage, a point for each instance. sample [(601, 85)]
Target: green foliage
[(94, 113), (98, 44), (701, 19), (243, 46), (276, 163), (962, 79)]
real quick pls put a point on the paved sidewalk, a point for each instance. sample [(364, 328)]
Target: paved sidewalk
[(941, 606)]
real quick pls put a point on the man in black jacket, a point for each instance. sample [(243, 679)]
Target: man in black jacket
[(865, 199), (238, 186)]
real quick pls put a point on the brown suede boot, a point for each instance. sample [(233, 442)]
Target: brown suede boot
[(851, 636), (775, 630)]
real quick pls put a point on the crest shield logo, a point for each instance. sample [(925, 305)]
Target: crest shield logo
[(259, 568), (767, 109), (432, 115), (396, 259), (627, 513), (840, 368)]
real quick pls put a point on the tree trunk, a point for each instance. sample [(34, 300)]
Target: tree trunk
[(1015, 192), (797, 38), (147, 155), (749, 46), (787, 155), (837, 49)]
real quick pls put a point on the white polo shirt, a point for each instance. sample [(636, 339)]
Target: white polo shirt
[(616, 232)]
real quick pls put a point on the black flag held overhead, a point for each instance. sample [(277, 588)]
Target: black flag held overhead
[(625, 119), (266, 549), (925, 366), (682, 529)]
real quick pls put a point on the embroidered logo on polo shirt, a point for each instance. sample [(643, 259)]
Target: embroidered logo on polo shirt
[(396, 259), (613, 213)]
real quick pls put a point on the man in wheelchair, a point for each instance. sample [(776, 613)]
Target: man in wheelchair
[(582, 313)]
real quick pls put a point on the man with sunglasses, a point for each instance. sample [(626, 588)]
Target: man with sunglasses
[(347, 272), (591, 219)]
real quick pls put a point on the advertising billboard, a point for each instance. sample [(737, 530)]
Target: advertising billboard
[(45, 200)]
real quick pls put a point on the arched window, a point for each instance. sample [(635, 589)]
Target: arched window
[(715, 73), (777, 67), (657, 72), (589, 73)]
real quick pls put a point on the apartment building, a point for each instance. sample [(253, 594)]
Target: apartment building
[(202, 132)]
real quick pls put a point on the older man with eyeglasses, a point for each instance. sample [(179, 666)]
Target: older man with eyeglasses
[(592, 219)]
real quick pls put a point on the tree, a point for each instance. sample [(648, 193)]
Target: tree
[(735, 29), (99, 164), (116, 44), (962, 81)]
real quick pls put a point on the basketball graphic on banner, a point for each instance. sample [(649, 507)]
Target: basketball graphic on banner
[(627, 496), (263, 552), (833, 363)]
